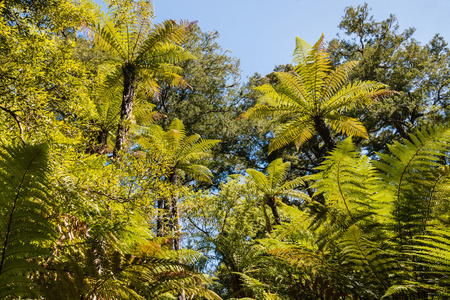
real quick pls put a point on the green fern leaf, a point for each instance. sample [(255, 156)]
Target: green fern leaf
[(24, 227)]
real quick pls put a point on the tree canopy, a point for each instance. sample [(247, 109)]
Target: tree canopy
[(136, 163)]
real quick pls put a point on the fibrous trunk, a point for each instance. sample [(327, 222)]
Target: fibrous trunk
[(129, 91), (173, 210), (325, 133), (176, 228), (273, 205)]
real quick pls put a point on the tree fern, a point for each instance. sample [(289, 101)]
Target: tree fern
[(25, 232), (312, 99), (139, 52), (273, 186)]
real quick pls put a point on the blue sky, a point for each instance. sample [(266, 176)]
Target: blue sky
[(261, 33)]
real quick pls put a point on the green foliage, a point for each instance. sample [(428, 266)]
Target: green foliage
[(77, 224), (272, 186), (180, 151), (139, 54), (412, 173), (313, 99), (149, 273), (25, 230), (419, 73)]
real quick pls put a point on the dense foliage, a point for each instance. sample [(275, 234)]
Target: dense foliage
[(135, 164)]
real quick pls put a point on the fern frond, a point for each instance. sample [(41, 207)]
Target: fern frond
[(365, 256), (259, 179), (277, 171), (355, 93), (106, 35), (24, 227), (408, 172), (342, 180), (167, 32), (337, 78), (298, 130), (198, 172), (302, 48), (346, 125), (294, 84)]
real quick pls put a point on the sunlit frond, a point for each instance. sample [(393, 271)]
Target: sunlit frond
[(347, 126)]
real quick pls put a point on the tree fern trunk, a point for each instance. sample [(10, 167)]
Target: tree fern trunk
[(176, 228), (129, 93), (174, 214), (273, 205), (160, 220), (325, 133)]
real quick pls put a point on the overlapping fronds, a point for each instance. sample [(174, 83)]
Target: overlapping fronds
[(348, 126), (182, 152), (24, 228), (346, 180), (272, 186), (258, 288), (431, 259), (351, 193), (316, 274), (151, 273), (127, 34), (411, 172), (365, 256), (273, 183), (313, 99)]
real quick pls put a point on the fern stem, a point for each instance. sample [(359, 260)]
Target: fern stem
[(341, 192)]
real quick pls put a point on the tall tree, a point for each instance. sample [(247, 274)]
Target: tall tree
[(313, 99), (181, 153), (419, 73), (140, 53), (212, 104)]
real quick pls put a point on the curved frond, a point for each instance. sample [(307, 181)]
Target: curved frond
[(106, 35), (24, 227), (197, 150), (356, 93), (347, 181), (302, 49), (292, 184), (403, 174), (198, 172), (276, 172), (169, 32), (366, 256), (299, 131), (346, 125), (294, 83), (337, 78), (259, 179)]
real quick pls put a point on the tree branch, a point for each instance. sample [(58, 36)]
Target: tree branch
[(19, 123)]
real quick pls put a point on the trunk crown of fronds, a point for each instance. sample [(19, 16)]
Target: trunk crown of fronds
[(182, 152), (141, 54), (24, 228), (272, 186), (313, 99)]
